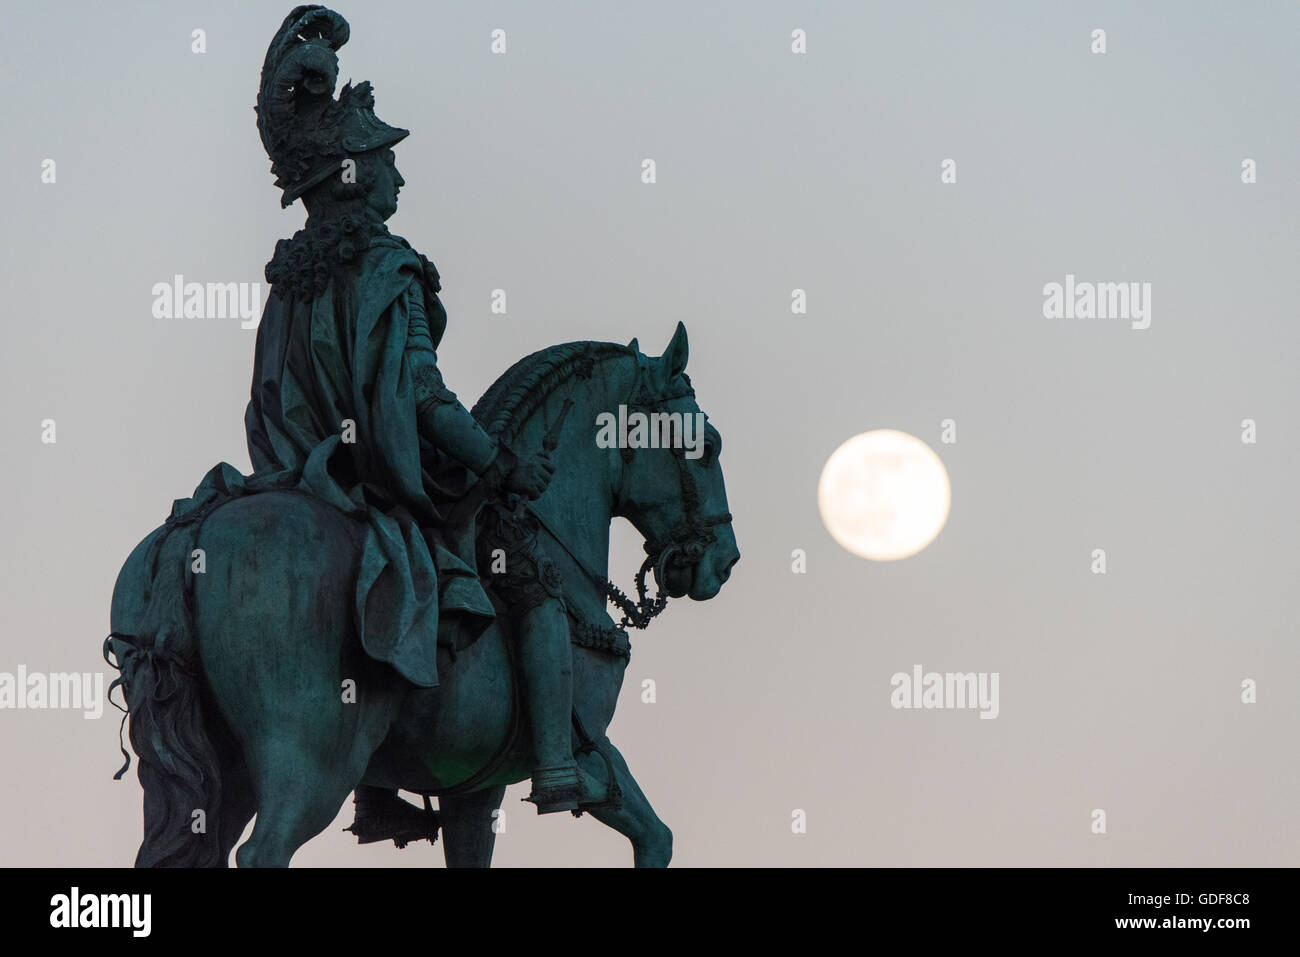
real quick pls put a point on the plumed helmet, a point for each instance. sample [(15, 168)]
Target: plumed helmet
[(307, 133)]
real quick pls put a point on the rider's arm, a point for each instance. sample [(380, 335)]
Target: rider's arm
[(441, 418)]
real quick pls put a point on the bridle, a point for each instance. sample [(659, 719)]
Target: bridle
[(683, 546)]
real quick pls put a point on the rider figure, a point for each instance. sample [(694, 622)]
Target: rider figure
[(336, 156)]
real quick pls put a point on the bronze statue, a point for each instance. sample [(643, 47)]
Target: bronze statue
[(403, 594)]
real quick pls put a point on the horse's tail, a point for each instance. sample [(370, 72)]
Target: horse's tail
[(155, 648)]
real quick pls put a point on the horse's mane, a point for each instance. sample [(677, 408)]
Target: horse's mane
[(521, 389)]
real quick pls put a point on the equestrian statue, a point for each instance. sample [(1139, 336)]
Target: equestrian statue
[(404, 594)]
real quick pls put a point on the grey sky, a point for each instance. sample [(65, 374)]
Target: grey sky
[(775, 172)]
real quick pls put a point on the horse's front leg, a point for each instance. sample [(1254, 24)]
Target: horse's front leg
[(469, 827), (652, 842)]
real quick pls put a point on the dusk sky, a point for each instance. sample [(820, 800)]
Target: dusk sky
[(776, 171)]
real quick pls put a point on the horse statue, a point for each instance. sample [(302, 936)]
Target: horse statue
[(263, 703)]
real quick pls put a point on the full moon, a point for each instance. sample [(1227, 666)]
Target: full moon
[(884, 495)]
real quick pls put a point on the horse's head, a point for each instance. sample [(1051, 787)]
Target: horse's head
[(670, 486)]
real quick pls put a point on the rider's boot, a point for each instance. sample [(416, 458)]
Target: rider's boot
[(548, 682), (381, 815)]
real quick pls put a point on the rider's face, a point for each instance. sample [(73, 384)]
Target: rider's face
[(388, 181)]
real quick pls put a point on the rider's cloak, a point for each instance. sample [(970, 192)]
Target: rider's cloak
[(332, 412)]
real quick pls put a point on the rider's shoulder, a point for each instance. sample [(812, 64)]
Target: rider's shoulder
[(418, 275), (395, 254)]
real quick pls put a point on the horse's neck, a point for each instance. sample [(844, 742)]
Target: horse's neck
[(578, 505)]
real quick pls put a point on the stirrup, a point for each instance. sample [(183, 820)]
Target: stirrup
[(556, 789)]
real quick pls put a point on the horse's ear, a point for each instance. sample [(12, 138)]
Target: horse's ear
[(634, 345), (674, 357)]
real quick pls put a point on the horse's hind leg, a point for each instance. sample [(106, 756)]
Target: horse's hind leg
[(297, 799), (303, 774), (235, 815), (237, 804), (306, 705), (468, 827)]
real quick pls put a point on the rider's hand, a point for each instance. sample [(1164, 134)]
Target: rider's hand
[(531, 475)]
